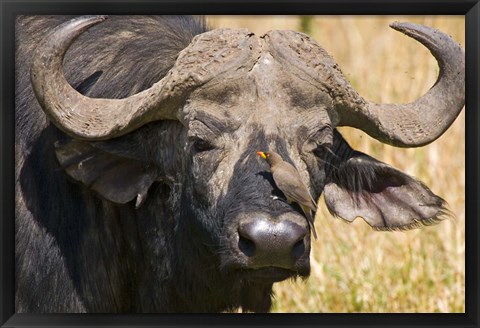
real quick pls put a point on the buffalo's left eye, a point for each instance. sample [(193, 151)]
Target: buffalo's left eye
[(201, 145), (321, 151)]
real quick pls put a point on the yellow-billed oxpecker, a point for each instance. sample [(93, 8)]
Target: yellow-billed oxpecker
[(290, 183)]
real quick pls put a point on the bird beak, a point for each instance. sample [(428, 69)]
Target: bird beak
[(261, 154)]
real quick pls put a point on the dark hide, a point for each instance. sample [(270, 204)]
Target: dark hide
[(150, 221), (87, 250), (199, 236)]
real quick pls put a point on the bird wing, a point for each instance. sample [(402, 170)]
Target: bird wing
[(288, 180), (309, 215)]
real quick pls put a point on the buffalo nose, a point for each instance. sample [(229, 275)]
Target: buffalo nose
[(272, 244)]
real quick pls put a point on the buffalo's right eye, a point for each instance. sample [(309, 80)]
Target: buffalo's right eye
[(201, 145)]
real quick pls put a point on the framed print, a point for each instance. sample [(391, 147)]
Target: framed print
[(315, 164)]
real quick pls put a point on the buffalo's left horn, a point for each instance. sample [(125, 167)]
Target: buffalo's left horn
[(87, 118), (427, 118)]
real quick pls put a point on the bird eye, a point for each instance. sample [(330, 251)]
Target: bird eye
[(201, 145)]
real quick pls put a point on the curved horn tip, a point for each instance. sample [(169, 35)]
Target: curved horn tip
[(92, 18), (404, 26), (79, 24), (411, 29), (424, 34), (63, 35)]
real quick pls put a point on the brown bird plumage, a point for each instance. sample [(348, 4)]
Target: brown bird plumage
[(289, 182)]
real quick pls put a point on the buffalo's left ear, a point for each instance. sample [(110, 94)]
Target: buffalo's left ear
[(384, 197), (113, 175)]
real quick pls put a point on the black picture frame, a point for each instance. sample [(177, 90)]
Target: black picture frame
[(10, 8)]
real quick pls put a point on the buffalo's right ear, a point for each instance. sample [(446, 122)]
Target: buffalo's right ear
[(386, 198), (117, 178)]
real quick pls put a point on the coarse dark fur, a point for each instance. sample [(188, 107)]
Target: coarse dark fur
[(101, 256), (77, 251), (91, 249)]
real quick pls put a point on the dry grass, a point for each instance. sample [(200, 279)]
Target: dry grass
[(355, 269)]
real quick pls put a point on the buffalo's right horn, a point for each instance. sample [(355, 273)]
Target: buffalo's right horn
[(78, 115), (87, 118)]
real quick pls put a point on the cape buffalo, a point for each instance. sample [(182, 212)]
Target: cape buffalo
[(138, 187)]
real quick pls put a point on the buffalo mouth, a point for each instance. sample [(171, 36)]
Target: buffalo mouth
[(272, 274), (269, 274)]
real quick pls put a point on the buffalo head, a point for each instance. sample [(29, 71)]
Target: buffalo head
[(229, 94)]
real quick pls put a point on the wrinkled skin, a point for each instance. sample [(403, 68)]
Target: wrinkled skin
[(160, 219)]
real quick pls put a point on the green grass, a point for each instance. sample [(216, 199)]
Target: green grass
[(356, 269)]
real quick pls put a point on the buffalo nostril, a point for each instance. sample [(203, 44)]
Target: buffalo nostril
[(246, 246), (249, 237), (267, 243), (298, 249)]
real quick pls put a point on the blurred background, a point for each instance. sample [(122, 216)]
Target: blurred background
[(356, 269)]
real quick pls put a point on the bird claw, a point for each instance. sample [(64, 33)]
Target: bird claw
[(279, 198)]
